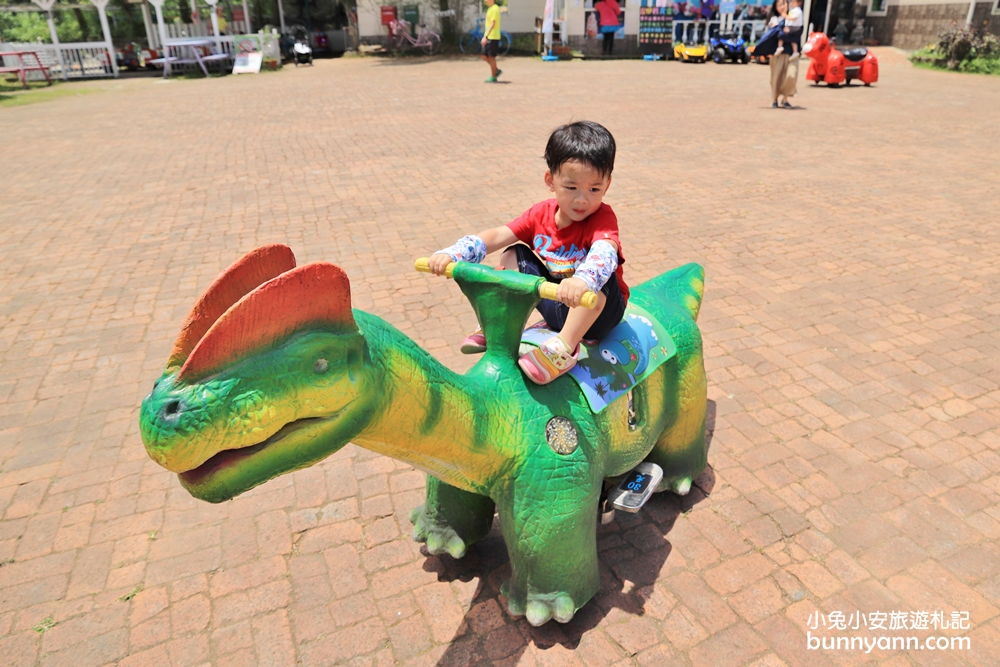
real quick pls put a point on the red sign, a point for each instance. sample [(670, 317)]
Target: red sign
[(237, 13), (388, 15)]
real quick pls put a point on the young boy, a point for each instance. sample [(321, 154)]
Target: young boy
[(491, 39), (793, 29), (574, 238)]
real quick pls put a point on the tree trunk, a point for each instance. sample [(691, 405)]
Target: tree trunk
[(84, 27)]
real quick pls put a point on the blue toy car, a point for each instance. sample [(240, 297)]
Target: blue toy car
[(729, 46)]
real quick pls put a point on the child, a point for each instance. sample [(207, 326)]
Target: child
[(491, 39), (793, 29), (575, 242)]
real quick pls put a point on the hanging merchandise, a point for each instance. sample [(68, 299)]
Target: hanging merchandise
[(655, 26), (592, 25)]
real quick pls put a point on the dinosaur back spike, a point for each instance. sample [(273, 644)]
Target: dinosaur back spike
[(245, 275), (314, 295)]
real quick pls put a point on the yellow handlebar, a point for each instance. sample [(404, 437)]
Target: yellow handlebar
[(549, 291), (546, 290), (424, 266)]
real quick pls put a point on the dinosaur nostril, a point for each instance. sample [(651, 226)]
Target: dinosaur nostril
[(171, 408)]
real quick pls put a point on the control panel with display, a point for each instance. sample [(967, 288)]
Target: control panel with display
[(637, 487)]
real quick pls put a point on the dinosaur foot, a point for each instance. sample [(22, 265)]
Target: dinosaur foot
[(538, 608), (439, 539), (679, 485)]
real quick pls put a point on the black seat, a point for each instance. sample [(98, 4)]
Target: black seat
[(855, 55)]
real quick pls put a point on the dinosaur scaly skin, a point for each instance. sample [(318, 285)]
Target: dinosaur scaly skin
[(242, 407)]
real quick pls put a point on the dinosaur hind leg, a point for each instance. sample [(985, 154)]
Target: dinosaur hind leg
[(681, 448), (451, 520)]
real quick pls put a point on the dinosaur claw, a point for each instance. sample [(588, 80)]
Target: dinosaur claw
[(681, 486), (538, 613), (541, 609), (563, 609), (456, 547), (435, 543), (439, 539), (415, 515)]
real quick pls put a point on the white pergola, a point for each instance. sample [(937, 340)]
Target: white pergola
[(161, 26), (46, 7)]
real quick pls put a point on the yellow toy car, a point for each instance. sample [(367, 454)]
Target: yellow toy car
[(691, 53)]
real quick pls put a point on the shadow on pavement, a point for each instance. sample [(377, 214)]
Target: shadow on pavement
[(633, 549)]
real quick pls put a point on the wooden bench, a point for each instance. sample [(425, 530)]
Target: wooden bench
[(22, 70)]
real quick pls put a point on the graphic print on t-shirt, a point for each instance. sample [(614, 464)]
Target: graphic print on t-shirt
[(561, 262)]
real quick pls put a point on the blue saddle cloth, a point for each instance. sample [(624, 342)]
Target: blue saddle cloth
[(768, 42), (616, 363)]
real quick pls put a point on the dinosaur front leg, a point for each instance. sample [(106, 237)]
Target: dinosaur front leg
[(451, 520), (552, 542)]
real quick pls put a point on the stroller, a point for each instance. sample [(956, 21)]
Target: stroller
[(301, 51)]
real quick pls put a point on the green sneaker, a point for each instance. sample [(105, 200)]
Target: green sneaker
[(499, 72), (492, 79)]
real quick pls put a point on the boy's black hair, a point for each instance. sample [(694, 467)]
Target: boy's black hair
[(583, 141)]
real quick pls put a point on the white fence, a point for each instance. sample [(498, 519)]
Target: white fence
[(77, 60), (697, 32)]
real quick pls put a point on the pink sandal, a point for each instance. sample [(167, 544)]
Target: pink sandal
[(548, 361), (474, 343)]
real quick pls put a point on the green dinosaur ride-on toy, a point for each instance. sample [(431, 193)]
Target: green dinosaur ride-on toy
[(273, 371)]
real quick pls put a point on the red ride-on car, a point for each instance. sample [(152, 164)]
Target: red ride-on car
[(835, 66)]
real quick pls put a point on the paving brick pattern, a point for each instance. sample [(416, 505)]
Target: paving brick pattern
[(850, 321)]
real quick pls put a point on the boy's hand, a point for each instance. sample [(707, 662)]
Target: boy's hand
[(571, 291), (439, 262), (483, 41)]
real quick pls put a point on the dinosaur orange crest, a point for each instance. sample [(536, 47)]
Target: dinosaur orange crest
[(245, 275), (317, 294)]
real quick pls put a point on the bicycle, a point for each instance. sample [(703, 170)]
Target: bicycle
[(428, 41), (471, 42)]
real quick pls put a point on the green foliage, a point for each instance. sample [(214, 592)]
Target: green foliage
[(522, 43), (45, 624), (131, 594), (963, 50), (32, 27), (981, 66)]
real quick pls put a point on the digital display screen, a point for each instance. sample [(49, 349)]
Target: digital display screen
[(636, 482)]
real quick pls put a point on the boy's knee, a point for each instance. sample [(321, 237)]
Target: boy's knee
[(508, 259)]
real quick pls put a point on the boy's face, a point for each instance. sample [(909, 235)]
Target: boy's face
[(579, 189), (490, 3)]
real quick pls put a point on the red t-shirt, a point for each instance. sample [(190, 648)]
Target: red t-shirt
[(562, 250)]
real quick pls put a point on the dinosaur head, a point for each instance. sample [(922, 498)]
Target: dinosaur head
[(269, 374)]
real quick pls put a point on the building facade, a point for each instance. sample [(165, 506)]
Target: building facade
[(913, 24)]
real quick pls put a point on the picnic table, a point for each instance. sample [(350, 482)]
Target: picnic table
[(22, 69), (195, 46)]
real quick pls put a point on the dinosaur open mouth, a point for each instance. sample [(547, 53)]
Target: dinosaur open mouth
[(231, 457)]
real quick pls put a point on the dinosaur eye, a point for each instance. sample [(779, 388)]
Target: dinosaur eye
[(609, 356), (320, 366)]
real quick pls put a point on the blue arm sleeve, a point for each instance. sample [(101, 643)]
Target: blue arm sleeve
[(600, 265), (466, 249)]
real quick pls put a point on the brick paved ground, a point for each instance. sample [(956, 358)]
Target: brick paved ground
[(850, 319)]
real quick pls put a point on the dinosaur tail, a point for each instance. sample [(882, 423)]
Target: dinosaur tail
[(684, 285)]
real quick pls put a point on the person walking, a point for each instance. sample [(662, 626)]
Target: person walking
[(491, 39), (784, 70), (608, 12)]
